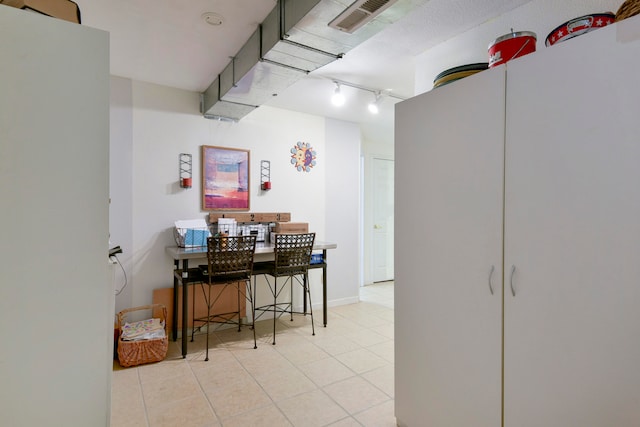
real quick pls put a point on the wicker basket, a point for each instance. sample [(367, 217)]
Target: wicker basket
[(132, 353), (628, 9)]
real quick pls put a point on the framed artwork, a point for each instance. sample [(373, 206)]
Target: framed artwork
[(225, 178)]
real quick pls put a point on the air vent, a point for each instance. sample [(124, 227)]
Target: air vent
[(359, 13)]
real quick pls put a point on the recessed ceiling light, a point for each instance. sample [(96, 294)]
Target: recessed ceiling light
[(212, 18)]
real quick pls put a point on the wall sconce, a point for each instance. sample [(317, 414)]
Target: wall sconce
[(338, 98), (185, 174), (265, 174)]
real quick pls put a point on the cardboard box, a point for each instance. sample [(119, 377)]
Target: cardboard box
[(292, 227), (63, 9)]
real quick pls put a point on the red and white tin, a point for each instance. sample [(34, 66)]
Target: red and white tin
[(511, 46), (578, 26)]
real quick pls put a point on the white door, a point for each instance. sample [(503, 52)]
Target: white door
[(572, 331), (382, 219), (448, 245)]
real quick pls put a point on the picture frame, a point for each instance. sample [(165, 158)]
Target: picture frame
[(225, 179)]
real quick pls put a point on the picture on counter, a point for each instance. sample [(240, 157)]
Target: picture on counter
[(303, 157), (225, 178)]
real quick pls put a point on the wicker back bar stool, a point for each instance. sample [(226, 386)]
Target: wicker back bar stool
[(229, 263), (292, 258)]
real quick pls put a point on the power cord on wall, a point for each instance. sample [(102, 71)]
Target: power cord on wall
[(115, 257)]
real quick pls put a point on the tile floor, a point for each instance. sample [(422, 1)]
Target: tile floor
[(342, 376)]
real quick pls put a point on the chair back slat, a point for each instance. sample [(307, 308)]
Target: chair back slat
[(230, 257), (293, 253)]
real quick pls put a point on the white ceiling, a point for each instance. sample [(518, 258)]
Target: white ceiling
[(167, 42)]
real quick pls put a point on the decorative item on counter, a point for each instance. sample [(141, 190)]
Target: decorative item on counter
[(578, 26), (628, 9), (457, 73), (303, 157), (511, 46)]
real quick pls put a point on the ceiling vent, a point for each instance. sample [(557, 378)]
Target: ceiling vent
[(359, 13), (292, 41)]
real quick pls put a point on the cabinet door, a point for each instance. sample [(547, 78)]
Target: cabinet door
[(448, 245), (572, 231)]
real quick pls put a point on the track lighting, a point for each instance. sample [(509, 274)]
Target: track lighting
[(338, 98), (373, 106)]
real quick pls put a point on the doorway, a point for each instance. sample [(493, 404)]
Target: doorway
[(383, 209)]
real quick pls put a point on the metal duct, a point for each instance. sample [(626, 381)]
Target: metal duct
[(293, 40)]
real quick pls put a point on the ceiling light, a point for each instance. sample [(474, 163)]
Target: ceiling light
[(338, 98), (373, 106), (212, 18)]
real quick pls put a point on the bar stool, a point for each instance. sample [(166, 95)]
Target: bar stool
[(230, 263), (292, 258)]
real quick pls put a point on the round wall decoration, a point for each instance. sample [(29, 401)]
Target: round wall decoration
[(303, 157)]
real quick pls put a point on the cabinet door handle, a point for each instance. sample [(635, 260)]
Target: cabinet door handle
[(513, 270), (490, 276)]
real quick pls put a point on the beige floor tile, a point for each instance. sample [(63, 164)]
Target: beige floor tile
[(300, 353), (165, 370), (220, 375), (127, 404), (265, 357), (284, 383), (311, 409), (382, 378), (167, 390), (269, 416), (387, 314), (385, 350), (336, 344), (189, 412), (366, 337), (346, 422), (326, 371), (386, 330), (236, 398), (352, 358), (361, 360), (379, 416), (355, 394)]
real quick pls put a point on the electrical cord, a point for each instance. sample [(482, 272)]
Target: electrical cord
[(123, 272)]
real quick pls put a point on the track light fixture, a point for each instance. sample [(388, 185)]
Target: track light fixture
[(338, 98), (373, 106)]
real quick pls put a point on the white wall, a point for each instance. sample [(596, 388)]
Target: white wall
[(166, 122), (56, 304)]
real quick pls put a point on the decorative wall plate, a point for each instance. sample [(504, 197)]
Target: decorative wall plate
[(303, 157)]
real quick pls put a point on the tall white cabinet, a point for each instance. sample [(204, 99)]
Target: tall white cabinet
[(525, 178), (56, 297)]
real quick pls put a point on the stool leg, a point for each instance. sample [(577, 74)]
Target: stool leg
[(253, 312), (308, 290), (239, 316), (275, 300), (206, 358), (193, 310), (291, 297)]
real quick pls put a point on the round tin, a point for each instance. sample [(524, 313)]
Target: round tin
[(578, 26), (457, 73), (511, 46)]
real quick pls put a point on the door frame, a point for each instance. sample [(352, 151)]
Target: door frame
[(367, 219)]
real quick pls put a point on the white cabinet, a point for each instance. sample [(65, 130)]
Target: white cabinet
[(540, 177), (449, 191), (572, 231), (56, 299)]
